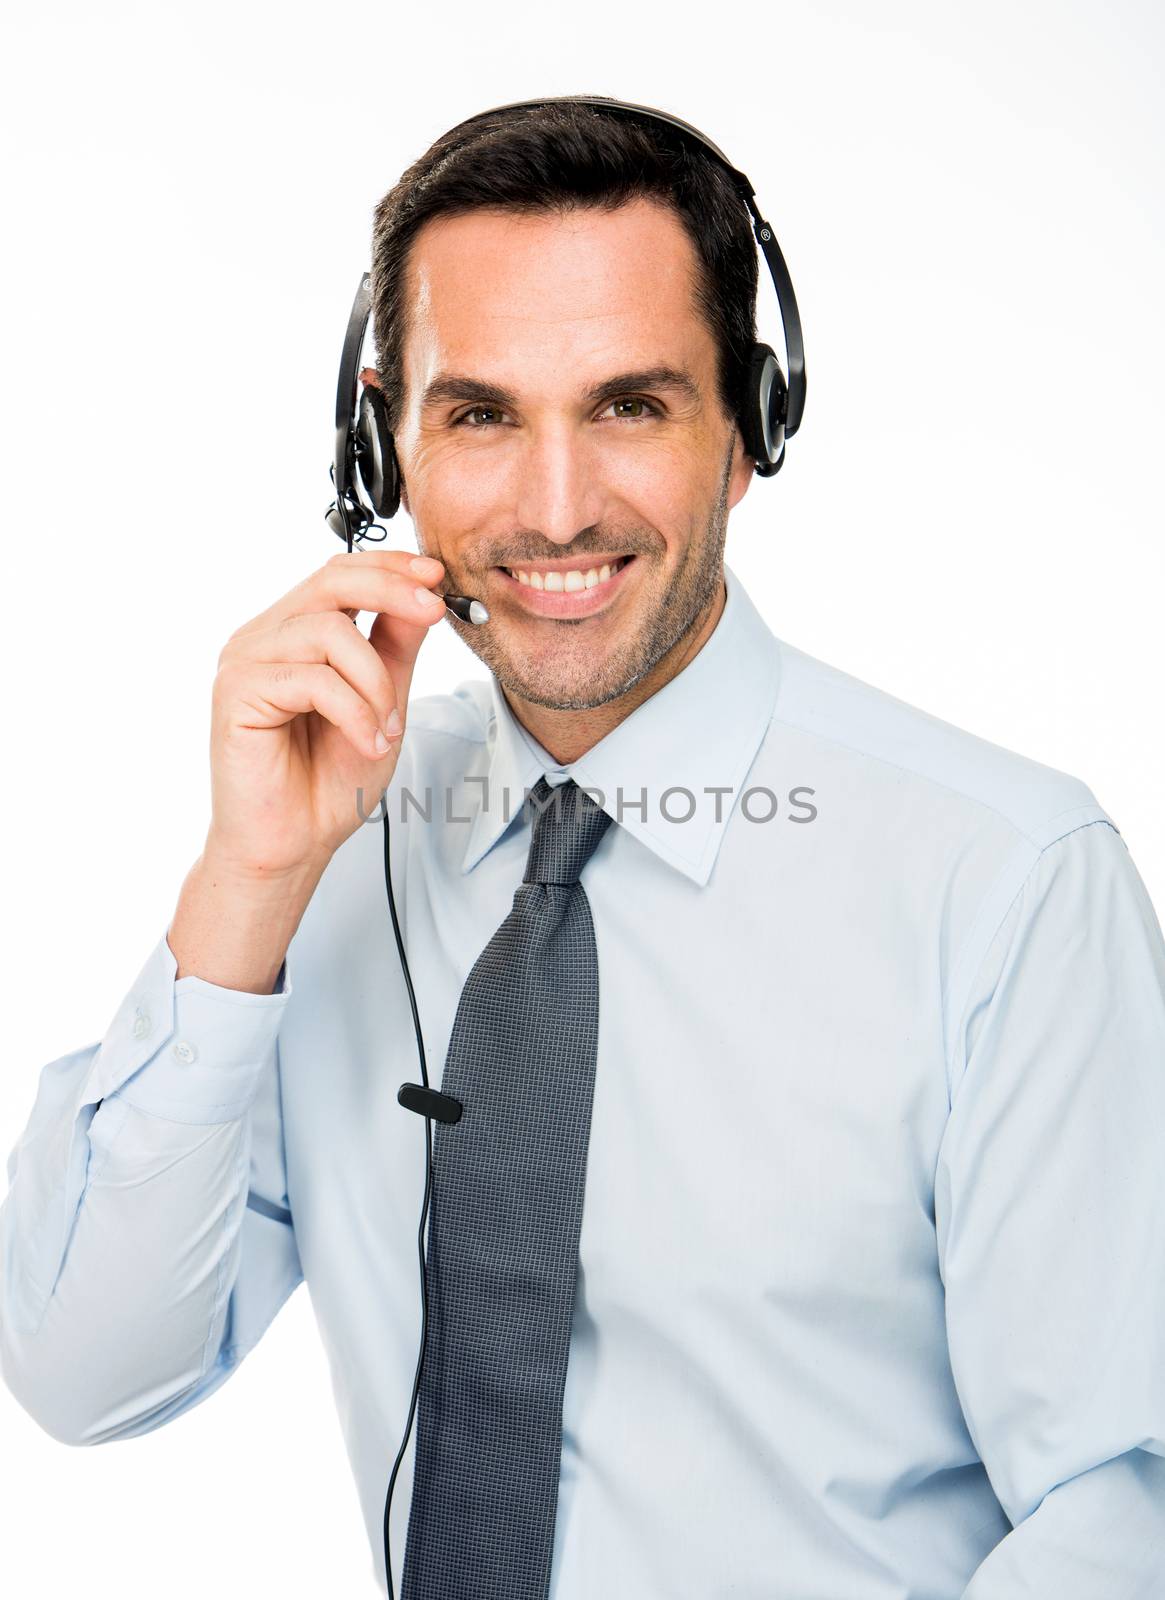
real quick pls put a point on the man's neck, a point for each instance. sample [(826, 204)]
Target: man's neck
[(567, 735)]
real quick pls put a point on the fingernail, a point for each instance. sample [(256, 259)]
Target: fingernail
[(423, 566), (380, 742), (428, 598), (392, 724)]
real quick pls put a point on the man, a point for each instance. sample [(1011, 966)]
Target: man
[(853, 1023)]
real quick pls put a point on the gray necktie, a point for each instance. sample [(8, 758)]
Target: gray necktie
[(506, 1211)]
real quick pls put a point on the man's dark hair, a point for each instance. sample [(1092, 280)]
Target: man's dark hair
[(555, 158)]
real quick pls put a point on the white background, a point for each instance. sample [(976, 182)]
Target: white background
[(970, 201)]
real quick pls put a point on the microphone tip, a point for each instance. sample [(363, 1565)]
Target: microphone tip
[(468, 609)]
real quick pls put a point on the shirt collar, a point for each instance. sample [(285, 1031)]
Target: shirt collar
[(700, 732)]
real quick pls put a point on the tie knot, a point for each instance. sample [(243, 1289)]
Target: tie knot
[(568, 825)]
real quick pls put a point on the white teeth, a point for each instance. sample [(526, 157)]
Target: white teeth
[(566, 582)]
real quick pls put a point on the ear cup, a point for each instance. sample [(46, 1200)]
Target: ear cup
[(376, 454), (762, 412)]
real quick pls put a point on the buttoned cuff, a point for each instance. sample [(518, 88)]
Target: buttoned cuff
[(186, 1049)]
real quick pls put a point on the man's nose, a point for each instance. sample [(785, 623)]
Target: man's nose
[(559, 490)]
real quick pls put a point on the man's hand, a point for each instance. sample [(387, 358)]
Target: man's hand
[(305, 711)]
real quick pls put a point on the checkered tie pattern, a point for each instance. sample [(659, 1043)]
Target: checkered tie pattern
[(506, 1212)]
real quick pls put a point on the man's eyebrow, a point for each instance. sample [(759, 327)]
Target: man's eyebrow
[(447, 386), (453, 386), (673, 378)]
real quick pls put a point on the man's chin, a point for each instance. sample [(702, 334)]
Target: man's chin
[(561, 696), (555, 687)]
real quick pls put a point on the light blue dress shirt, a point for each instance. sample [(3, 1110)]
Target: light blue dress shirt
[(871, 1294)]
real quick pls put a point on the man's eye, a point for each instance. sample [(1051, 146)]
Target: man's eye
[(636, 400), (491, 413)]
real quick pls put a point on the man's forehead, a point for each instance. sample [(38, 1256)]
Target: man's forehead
[(482, 278), (636, 250)]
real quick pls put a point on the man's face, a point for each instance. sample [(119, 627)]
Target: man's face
[(561, 414)]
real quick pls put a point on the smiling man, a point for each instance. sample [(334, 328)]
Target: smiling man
[(797, 1220), (563, 438)]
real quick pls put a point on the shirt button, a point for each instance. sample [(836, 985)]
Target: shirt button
[(141, 1023), (184, 1052)]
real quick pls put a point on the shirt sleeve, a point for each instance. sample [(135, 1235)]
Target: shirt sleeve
[(1050, 1210), (146, 1240)]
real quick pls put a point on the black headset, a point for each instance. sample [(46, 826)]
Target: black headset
[(770, 408), (769, 414)]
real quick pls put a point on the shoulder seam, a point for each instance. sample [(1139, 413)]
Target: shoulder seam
[(926, 777), (963, 973), (1038, 838)]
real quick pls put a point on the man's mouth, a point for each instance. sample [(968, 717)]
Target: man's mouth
[(557, 579), (566, 589)]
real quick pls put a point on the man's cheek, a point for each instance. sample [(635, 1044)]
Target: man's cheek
[(465, 485), (658, 470)]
